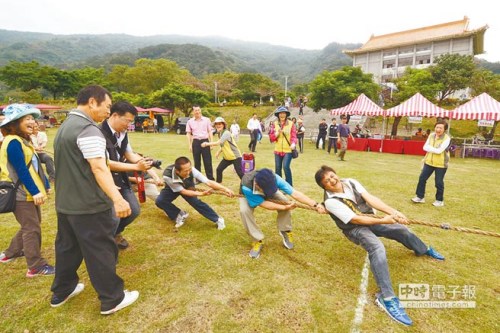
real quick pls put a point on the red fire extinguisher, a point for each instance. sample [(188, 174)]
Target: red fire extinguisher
[(140, 186)]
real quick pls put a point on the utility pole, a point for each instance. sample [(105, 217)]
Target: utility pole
[(215, 94), (286, 85)]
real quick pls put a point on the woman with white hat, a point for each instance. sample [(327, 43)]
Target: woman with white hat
[(230, 152), (284, 135), (19, 161)]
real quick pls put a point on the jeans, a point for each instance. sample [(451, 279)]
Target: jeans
[(427, 171), (321, 136), (164, 201), (283, 162), (130, 197), (253, 139), (49, 164), (367, 237)]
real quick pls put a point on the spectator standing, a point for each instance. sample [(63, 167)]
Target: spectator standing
[(235, 130), (322, 131), (346, 200), (39, 140), (258, 188), (301, 131), (284, 135), (333, 136), (435, 161), (123, 160), (230, 152), (199, 130), (344, 134), (20, 163), (179, 180), (86, 197), (253, 126)]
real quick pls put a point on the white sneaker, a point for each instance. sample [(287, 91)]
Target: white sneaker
[(56, 302), (220, 224), (130, 297), (181, 218), (418, 200), (438, 203)]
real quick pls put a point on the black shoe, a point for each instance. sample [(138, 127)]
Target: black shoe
[(121, 242)]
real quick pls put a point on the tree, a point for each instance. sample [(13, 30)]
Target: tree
[(453, 72), (21, 75), (336, 89), (178, 96)]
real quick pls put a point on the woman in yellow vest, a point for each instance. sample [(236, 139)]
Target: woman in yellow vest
[(435, 161), (230, 152), (284, 135), (19, 161)]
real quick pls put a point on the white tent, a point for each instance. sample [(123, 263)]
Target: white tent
[(361, 106), (482, 107), (417, 106)]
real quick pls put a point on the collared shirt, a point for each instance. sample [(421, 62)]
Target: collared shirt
[(176, 184), (119, 139), (254, 124), (255, 198), (199, 129)]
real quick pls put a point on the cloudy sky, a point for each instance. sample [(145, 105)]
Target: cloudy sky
[(307, 24)]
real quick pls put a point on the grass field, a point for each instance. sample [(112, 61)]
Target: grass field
[(199, 279)]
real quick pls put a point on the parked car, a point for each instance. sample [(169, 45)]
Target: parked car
[(180, 125)]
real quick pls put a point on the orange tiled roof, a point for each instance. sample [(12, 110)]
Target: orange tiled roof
[(455, 29)]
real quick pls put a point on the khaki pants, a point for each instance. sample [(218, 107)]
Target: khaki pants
[(284, 219), (29, 237)]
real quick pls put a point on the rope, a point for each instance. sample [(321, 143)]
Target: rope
[(445, 226)]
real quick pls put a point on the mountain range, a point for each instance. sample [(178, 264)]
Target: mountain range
[(200, 55)]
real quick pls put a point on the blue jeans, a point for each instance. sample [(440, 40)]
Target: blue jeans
[(427, 171), (367, 237), (130, 197), (283, 162), (164, 201)]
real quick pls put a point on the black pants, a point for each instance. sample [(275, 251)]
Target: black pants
[(91, 238), (254, 134), (199, 153), (224, 164), (321, 136), (332, 142), (301, 143)]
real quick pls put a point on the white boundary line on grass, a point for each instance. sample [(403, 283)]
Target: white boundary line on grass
[(362, 298)]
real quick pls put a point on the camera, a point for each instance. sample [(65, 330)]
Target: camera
[(156, 164)]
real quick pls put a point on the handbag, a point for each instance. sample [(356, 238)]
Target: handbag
[(8, 196), (8, 192), (295, 152)]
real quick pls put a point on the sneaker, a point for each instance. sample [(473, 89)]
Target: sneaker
[(121, 242), (130, 297), (4, 259), (434, 254), (287, 239), (56, 301), (255, 251), (438, 203), (220, 224), (418, 200), (43, 270), (393, 309), (181, 218)]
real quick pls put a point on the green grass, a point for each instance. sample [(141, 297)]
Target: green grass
[(201, 280)]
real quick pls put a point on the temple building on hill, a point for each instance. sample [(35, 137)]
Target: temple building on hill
[(387, 56)]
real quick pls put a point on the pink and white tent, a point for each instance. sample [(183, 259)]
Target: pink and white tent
[(362, 106), (417, 106), (482, 107)]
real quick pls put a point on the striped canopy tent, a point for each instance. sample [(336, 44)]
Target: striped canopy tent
[(482, 107), (362, 106), (418, 106)]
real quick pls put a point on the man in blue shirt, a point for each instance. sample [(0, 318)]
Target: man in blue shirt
[(258, 188)]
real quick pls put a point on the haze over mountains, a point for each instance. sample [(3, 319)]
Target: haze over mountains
[(200, 55)]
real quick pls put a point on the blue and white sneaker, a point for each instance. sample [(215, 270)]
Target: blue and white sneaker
[(393, 309), (434, 254)]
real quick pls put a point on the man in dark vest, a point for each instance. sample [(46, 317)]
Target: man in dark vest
[(180, 180), (333, 134), (258, 188), (346, 200), (120, 150), (322, 131)]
